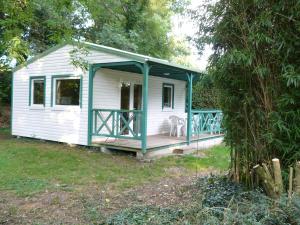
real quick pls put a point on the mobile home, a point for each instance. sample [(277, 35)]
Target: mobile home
[(116, 99)]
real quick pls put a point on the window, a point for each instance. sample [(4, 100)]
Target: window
[(67, 91), (168, 96), (37, 91)]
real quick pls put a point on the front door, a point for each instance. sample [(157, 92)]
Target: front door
[(137, 105), (131, 99), (125, 105)]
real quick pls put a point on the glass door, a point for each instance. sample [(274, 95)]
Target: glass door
[(137, 105), (125, 105)]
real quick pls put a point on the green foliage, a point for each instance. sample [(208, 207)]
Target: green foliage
[(255, 67), (30, 27), (216, 201), (205, 94), (145, 215), (5, 87), (143, 26)]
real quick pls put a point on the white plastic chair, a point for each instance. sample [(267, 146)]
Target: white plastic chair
[(177, 124), (181, 127)]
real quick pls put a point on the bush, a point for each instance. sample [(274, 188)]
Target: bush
[(4, 116), (217, 201), (205, 94), (255, 67), (5, 87)]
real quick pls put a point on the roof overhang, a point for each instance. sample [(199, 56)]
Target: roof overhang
[(156, 69), (159, 67)]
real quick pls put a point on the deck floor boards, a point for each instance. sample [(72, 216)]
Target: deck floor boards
[(154, 141)]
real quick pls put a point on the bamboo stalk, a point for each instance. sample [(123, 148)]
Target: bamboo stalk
[(297, 178), (237, 167), (290, 185), (277, 175)]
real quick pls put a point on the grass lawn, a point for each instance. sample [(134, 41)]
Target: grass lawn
[(31, 166)]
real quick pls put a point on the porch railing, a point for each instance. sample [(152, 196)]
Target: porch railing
[(117, 123), (206, 121)]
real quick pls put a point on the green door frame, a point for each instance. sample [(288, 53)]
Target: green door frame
[(145, 68), (189, 109)]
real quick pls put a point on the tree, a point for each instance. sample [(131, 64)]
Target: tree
[(143, 26), (30, 27), (255, 67), (205, 94)]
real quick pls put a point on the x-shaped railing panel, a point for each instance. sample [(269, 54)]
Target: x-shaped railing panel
[(116, 123), (206, 121)]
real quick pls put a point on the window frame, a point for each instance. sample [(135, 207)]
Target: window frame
[(31, 91), (54, 78), (172, 86)]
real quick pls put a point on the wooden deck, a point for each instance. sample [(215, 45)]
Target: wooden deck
[(153, 142)]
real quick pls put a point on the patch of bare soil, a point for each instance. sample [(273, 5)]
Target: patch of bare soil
[(95, 203), (4, 116), (45, 208), (5, 136)]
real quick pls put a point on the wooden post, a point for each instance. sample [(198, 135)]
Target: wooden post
[(267, 181), (290, 185), (297, 178), (277, 175)]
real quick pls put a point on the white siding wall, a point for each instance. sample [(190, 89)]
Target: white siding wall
[(107, 96), (69, 125)]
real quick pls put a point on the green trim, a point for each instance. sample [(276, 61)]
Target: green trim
[(173, 91), (114, 131), (97, 66), (189, 112), (145, 71), (35, 58), (11, 103), (63, 76), (186, 98), (31, 78), (92, 71)]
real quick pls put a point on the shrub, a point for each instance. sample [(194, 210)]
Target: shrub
[(255, 67), (217, 201)]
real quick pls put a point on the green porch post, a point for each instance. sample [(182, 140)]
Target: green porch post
[(145, 107), (189, 111), (92, 72)]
